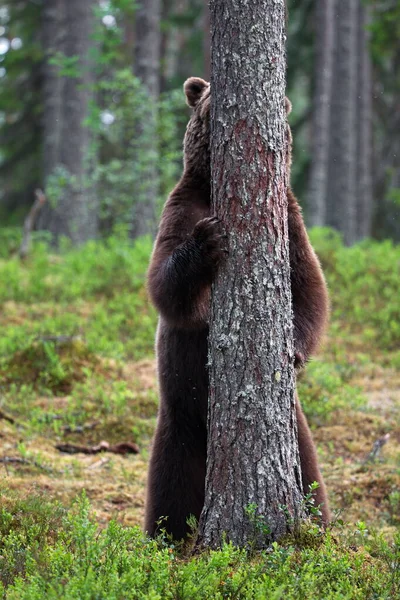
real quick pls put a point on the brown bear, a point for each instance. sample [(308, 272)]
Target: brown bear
[(188, 250)]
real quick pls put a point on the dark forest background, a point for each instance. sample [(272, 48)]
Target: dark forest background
[(91, 111)]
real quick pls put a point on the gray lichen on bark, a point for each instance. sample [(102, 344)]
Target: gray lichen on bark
[(252, 442)]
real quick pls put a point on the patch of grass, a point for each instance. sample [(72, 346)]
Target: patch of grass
[(77, 365), (53, 365), (96, 291), (324, 389), (364, 283)]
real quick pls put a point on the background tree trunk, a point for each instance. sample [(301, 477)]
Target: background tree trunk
[(147, 69), (342, 188), (363, 102), (206, 42), (252, 442), (68, 28), (325, 21), (53, 39)]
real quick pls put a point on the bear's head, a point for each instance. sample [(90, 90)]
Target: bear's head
[(197, 155), (196, 144)]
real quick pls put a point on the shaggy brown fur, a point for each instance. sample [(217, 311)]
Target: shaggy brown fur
[(187, 252)]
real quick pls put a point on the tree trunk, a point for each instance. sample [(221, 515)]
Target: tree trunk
[(324, 55), (72, 211), (342, 188), (147, 69), (253, 461), (206, 42), (53, 40), (363, 102)]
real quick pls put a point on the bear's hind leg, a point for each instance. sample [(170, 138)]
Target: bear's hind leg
[(309, 464), (176, 480)]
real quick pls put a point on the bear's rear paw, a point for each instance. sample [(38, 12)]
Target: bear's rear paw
[(209, 237)]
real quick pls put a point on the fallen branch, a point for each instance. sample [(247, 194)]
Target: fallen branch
[(6, 417), (121, 448), (10, 460), (376, 448), (59, 340), (98, 464), (80, 428), (29, 222)]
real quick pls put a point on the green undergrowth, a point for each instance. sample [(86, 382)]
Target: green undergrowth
[(63, 316), (364, 283), (325, 388), (49, 552), (77, 366), (96, 292)]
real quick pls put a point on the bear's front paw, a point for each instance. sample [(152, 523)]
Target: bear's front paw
[(210, 239)]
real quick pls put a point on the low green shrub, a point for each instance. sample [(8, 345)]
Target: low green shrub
[(47, 552), (96, 292), (364, 283), (96, 268), (323, 389)]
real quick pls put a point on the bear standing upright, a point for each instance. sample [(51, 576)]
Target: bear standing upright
[(188, 251)]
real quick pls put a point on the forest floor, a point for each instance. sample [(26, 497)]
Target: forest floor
[(117, 403), (78, 406)]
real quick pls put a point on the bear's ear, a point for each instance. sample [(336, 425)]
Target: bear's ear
[(194, 87), (288, 106)]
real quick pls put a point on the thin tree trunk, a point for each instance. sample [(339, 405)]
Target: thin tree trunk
[(324, 60), (363, 102), (253, 456), (147, 69), (342, 188), (166, 7), (53, 39), (73, 207), (206, 42), (53, 42)]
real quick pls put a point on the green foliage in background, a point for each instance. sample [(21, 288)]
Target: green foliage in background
[(96, 292), (20, 101), (126, 141), (96, 296)]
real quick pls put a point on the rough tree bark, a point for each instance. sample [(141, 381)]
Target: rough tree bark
[(252, 442), (67, 28), (342, 188), (147, 69), (324, 58), (363, 102)]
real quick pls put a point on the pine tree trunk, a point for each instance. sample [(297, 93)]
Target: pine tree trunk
[(342, 187), (206, 42), (53, 41), (363, 102), (252, 441), (72, 211), (324, 61), (147, 69)]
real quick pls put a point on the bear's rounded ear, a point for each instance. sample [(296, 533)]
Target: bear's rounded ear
[(288, 106), (194, 87)]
